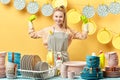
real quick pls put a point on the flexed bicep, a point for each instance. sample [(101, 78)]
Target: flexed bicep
[(33, 33)]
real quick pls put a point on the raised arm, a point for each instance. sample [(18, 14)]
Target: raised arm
[(81, 35), (34, 34)]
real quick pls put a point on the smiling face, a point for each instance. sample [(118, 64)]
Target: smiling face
[(58, 17)]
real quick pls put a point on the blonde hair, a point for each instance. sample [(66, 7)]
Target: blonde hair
[(62, 9)]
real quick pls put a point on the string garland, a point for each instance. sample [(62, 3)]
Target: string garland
[(89, 2)]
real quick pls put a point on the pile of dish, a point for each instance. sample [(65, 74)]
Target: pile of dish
[(2, 64), (72, 66), (33, 67)]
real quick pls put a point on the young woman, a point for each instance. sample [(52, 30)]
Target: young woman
[(58, 36)]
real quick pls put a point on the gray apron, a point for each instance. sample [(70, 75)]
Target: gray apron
[(58, 42)]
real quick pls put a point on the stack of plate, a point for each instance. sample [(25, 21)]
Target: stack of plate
[(107, 68), (2, 64), (15, 58), (28, 62), (111, 74)]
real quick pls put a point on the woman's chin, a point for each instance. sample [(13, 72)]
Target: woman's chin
[(59, 23)]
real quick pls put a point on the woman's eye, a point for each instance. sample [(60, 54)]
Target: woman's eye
[(56, 16), (60, 16)]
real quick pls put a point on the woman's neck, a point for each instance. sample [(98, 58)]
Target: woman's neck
[(60, 28)]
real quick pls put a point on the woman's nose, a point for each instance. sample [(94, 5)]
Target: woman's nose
[(58, 18)]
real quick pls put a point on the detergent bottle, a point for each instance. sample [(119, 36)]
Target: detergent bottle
[(50, 58), (59, 60), (102, 59)]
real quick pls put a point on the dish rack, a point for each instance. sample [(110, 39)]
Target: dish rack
[(41, 75)]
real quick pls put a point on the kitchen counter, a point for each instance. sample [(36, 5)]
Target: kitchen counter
[(56, 78)]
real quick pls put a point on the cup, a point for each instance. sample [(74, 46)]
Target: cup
[(63, 67), (11, 70), (71, 75), (64, 74)]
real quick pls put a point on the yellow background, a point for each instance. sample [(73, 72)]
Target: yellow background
[(14, 30)]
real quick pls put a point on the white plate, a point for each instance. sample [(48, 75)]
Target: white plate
[(114, 7), (5, 1), (47, 10), (102, 10), (88, 11), (19, 4), (32, 7)]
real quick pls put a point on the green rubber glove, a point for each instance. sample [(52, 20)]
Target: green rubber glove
[(84, 19), (32, 17)]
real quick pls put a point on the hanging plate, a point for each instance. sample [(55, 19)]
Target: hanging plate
[(91, 27), (116, 41), (88, 11), (73, 16), (47, 10), (19, 4), (32, 7), (104, 36), (58, 3), (102, 10), (114, 7), (5, 1)]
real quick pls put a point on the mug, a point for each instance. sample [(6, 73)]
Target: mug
[(11, 70), (71, 75), (112, 58)]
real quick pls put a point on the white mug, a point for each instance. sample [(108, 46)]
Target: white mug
[(11, 70)]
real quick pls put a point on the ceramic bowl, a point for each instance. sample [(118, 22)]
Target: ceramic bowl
[(75, 66)]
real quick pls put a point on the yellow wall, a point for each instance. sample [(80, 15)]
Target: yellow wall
[(14, 31)]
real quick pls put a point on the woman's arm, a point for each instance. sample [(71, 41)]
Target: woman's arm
[(81, 35), (34, 34)]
